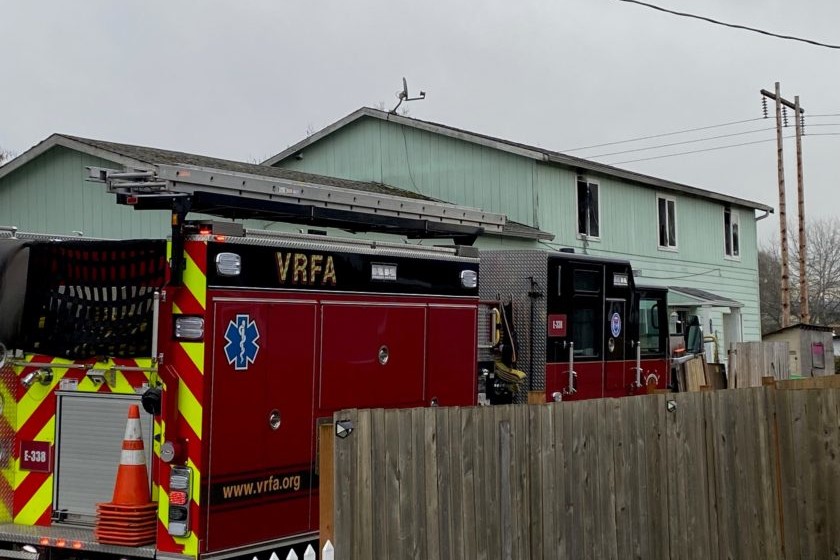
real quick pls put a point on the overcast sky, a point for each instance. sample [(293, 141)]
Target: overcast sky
[(243, 80)]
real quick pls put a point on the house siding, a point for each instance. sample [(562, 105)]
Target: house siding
[(544, 196), (50, 195)]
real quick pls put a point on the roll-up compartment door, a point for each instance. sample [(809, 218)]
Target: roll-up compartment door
[(89, 433)]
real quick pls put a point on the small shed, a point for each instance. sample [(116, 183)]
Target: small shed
[(811, 349)]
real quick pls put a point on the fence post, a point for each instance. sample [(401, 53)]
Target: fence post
[(326, 482)]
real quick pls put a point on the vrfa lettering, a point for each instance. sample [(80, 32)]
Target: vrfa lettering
[(299, 269)]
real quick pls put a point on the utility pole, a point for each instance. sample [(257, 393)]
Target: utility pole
[(804, 311), (777, 97)]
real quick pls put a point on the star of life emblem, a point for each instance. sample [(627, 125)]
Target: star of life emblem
[(242, 347)]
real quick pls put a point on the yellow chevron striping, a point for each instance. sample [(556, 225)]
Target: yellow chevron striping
[(9, 474), (33, 397), (122, 385), (195, 350), (47, 433), (196, 482), (190, 408), (195, 281), (36, 507), (5, 513), (163, 508), (190, 544)]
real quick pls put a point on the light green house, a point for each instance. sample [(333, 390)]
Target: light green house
[(699, 243), (45, 190)]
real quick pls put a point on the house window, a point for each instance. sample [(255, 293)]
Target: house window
[(589, 212), (667, 207), (731, 233)]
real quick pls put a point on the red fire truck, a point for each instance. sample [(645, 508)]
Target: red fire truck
[(583, 329), (238, 343)]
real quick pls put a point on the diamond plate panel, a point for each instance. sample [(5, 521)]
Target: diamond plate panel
[(506, 276)]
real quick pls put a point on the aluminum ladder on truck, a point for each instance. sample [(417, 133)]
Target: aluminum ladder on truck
[(236, 195), (239, 195)]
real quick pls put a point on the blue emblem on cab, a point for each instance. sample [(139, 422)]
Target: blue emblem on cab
[(242, 347), (615, 324)]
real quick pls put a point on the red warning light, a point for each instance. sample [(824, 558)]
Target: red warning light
[(77, 545), (219, 238), (60, 543), (44, 541), (178, 498), (205, 231), (131, 200)]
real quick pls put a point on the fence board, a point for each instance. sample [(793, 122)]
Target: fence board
[(566, 525), (491, 484), (548, 481), (711, 473), (659, 480), (392, 485), (639, 478), (326, 476), (823, 487), (344, 507), (586, 467), (448, 511), (625, 469), (723, 458), (832, 425), (561, 502), (770, 545), (607, 422), (465, 510), (788, 460), (419, 478), (676, 486), (377, 480), (505, 499), (535, 482), (519, 480), (430, 474), (363, 521)]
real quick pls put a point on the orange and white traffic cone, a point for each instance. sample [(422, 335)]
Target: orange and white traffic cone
[(132, 486), (130, 519)]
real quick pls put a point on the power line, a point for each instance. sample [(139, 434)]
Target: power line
[(719, 148), (733, 25), (663, 135), (696, 140), (699, 151), (684, 142)]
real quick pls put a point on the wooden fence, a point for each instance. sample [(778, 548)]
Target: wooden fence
[(737, 474)]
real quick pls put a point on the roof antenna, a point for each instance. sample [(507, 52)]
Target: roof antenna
[(403, 96)]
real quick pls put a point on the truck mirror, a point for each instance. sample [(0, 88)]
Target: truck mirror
[(694, 336)]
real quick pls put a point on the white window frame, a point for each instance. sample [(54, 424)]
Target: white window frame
[(585, 235), (734, 219), (666, 198)]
